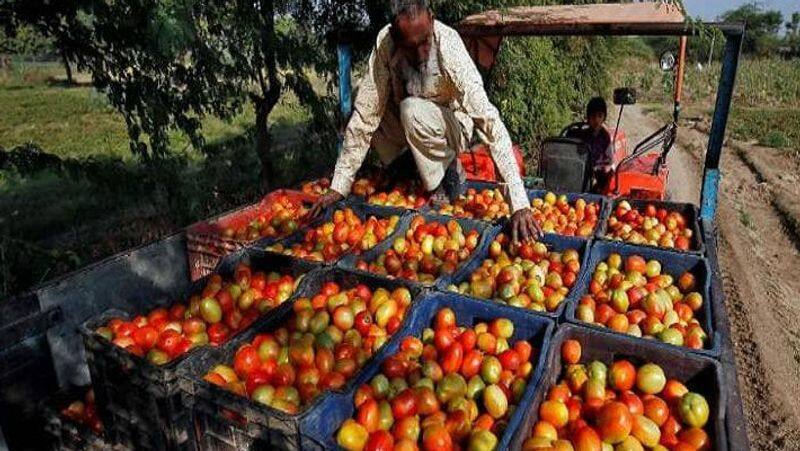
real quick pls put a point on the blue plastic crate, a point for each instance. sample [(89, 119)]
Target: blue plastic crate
[(361, 210), (673, 264), (553, 242), (484, 228), (700, 374), (330, 414), (265, 427), (602, 201), (696, 245)]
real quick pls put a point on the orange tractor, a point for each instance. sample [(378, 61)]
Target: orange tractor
[(565, 160)]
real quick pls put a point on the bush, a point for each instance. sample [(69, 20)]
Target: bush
[(541, 85)]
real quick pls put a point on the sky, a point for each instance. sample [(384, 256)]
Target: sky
[(710, 9)]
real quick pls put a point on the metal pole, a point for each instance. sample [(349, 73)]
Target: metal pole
[(711, 175), (345, 54)]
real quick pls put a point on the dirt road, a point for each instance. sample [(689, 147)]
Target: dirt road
[(758, 253)]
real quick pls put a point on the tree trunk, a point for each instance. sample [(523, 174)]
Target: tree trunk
[(67, 67), (264, 143)]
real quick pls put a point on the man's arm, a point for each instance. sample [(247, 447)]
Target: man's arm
[(485, 116), (368, 111)]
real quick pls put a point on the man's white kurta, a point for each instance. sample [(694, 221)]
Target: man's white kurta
[(457, 86)]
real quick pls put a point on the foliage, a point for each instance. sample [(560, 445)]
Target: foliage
[(24, 40), (762, 27)]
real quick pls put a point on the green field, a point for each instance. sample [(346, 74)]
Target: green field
[(101, 199), (766, 103)]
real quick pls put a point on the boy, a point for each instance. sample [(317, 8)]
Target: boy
[(598, 138)]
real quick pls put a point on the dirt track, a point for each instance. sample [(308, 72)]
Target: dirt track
[(758, 253)]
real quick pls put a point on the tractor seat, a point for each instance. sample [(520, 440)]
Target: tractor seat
[(564, 165)]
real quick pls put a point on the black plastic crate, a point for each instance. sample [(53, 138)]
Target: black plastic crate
[(553, 242), (64, 433), (361, 210), (689, 211), (603, 203), (699, 373), (536, 330), (484, 229), (227, 421), (133, 393), (671, 263)]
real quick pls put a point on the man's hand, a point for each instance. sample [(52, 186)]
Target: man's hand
[(322, 203), (524, 227)]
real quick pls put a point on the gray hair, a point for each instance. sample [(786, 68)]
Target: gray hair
[(409, 7)]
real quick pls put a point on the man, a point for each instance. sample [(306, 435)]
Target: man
[(422, 92)]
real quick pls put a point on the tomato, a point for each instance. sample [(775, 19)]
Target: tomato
[(571, 351), (622, 375), (442, 339), (646, 431), (427, 403), (404, 404), (245, 361), (495, 401), (444, 319), (145, 337), (524, 349), (218, 333), (468, 339), (368, 415), (363, 322), (452, 359), (650, 379), (471, 364), (614, 422), (255, 379), (554, 412), (168, 341), (693, 409), (634, 403), (380, 441), (436, 438), (352, 436), (509, 359), (586, 439), (407, 428), (656, 409), (696, 437)]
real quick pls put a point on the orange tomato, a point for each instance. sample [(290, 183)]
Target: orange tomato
[(571, 351), (614, 422)]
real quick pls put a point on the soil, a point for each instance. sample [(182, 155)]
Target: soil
[(757, 223)]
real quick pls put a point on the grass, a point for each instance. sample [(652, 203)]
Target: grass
[(746, 219), (53, 220)]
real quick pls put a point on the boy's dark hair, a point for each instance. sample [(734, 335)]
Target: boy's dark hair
[(596, 105)]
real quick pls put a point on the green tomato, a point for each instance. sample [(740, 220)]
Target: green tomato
[(210, 310), (693, 410)]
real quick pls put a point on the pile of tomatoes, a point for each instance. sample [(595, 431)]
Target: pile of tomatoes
[(525, 275), (326, 340), (486, 205), (405, 194), (596, 406), (653, 226), (631, 295), (455, 388), (428, 250), (555, 214), (316, 187), (84, 411), (345, 233), (281, 217), (221, 310)]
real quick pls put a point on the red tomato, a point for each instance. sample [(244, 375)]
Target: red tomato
[(452, 358), (468, 338), (368, 415), (471, 365), (168, 341), (255, 379), (245, 361), (404, 404), (380, 441), (217, 333), (509, 359), (145, 337)]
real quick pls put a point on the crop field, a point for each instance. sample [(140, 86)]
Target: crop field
[(766, 104)]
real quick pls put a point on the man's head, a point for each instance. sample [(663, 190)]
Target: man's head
[(596, 113), (412, 28)]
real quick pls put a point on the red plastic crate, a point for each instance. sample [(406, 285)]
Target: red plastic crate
[(205, 245)]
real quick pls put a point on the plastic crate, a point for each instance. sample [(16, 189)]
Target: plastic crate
[(361, 210), (689, 211), (485, 229), (700, 374), (140, 402), (671, 263), (216, 410), (553, 242), (204, 244), (603, 202), (537, 330), (64, 433)]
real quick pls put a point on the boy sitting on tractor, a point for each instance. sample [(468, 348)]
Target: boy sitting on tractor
[(598, 138)]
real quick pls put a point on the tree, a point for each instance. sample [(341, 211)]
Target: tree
[(762, 27)]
